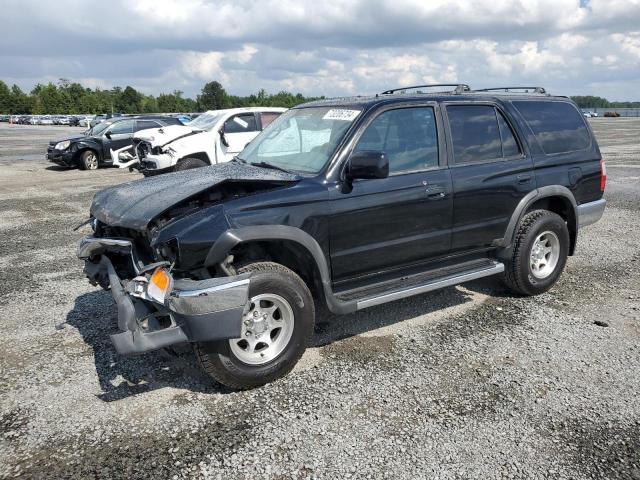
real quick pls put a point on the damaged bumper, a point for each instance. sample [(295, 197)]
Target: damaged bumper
[(159, 162), (124, 158), (192, 311)]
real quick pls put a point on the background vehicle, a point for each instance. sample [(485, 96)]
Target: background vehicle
[(100, 118), (214, 137), (91, 150), (344, 204)]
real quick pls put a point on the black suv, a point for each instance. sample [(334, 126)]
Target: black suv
[(344, 204), (92, 149)]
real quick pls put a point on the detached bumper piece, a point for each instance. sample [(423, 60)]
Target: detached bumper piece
[(194, 311)]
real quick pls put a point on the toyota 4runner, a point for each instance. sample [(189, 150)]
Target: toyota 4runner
[(344, 204)]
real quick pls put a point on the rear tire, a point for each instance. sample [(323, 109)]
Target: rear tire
[(269, 348), (88, 160), (539, 253), (189, 163)]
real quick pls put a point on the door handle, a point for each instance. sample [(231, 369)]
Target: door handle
[(524, 178), (435, 193)]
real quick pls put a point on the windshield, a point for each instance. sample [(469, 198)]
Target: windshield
[(98, 129), (301, 139), (206, 121)]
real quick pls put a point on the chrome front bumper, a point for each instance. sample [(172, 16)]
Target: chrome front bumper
[(591, 212), (199, 311)]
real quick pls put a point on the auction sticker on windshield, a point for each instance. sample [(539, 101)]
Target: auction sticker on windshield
[(341, 114)]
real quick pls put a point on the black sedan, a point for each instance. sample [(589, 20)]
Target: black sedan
[(92, 149)]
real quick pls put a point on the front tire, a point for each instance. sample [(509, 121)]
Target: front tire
[(539, 254), (277, 326), (189, 163), (89, 160)]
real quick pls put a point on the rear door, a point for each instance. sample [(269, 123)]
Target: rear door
[(381, 224), (490, 170)]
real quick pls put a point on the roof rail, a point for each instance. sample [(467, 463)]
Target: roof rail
[(459, 88), (538, 90)]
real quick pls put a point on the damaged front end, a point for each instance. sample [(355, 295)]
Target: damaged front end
[(156, 310)]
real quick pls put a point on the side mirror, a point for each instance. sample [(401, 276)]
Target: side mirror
[(368, 165), (108, 135), (223, 139)]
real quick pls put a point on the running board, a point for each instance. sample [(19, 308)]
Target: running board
[(488, 269)]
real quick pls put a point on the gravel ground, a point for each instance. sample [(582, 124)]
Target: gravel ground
[(467, 382)]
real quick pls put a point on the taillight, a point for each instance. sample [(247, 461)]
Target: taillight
[(603, 175)]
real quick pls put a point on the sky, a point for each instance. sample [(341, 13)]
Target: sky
[(326, 47)]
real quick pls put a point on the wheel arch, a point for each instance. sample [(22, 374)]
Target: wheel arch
[(199, 155), (287, 245), (555, 198)]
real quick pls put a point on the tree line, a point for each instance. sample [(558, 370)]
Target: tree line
[(589, 101), (69, 98)]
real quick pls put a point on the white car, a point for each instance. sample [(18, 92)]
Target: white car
[(214, 137)]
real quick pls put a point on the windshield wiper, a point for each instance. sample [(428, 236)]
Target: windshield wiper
[(269, 165)]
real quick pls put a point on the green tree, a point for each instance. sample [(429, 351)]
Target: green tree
[(212, 97), (6, 100)]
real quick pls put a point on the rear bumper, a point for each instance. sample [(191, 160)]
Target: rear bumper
[(195, 311), (590, 212)]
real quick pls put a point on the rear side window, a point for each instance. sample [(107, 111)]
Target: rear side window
[(407, 136), (509, 144), (145, 124), (558, 126), (267, 117), (475, 133)]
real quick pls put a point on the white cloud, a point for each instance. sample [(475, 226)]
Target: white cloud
[(331, 47)]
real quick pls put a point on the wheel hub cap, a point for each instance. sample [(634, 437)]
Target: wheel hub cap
[(544, 255), (267, 326)]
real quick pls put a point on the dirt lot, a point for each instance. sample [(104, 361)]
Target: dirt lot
[(468, 382)]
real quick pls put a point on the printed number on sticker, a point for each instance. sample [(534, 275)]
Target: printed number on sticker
[(341, 114)]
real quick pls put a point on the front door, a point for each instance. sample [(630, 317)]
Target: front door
[(379, 224), (238, 131), (120, 134), (488, 168)]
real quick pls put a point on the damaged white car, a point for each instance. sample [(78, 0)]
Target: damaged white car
[(214, 137)]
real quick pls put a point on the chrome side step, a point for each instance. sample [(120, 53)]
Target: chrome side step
[(433, 284)]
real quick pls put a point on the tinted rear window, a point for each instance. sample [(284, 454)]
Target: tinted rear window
[(476, 137), (558, 126)]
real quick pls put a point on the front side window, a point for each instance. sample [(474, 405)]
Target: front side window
[(558, 126), (301, 139), (122, 128), (241, 124), (407, 136)]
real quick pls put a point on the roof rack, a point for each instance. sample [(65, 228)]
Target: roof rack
[(538, 90), (459, 88)]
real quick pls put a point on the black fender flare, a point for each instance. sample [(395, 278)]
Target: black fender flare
[(528, 200), (88, 145), (232, 237)]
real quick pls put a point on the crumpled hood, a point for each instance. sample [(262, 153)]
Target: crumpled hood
[(162, 136), (134, 204), (71, 139)]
